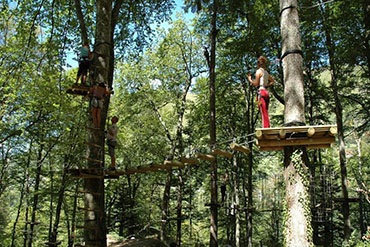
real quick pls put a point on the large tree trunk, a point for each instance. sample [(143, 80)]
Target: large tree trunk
[(292, 63), (95, 225), (297, 199)]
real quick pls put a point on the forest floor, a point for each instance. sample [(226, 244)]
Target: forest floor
[(135, 243)]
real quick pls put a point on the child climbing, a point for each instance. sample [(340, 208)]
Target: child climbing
[(83, 63), (263, 80), (112, 142), (97, 94)]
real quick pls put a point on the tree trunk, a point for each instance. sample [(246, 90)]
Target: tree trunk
[(179, 207), (292, 63), (250, 197), (95, 219), (53, 231), (366, 11), (24, 192), (165, 205), (35, 202), (236, 199), (297, 199), (212, 112), (339, 117)]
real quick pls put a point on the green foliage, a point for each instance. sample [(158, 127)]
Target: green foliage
[(149, 86)]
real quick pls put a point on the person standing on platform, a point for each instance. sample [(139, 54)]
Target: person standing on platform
[(112, 142), (83, 63), (97, 94), (263, 80)]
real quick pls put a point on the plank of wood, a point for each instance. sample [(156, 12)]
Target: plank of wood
[(296, 142), (222, 153), (189, 160), (239, 148), (174, 163), (290, 129), (206, 157)]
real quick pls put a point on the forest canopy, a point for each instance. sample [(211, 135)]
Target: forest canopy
[(159, 73)]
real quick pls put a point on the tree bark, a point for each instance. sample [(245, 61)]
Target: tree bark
[(339, 119), (298, 203), (292, 63), (36, 196), (212, 112), (81, 20), (95, 219)]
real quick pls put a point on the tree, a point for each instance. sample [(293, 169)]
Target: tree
[(295, 162)]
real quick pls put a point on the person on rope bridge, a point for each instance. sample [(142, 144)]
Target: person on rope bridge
[(97, 94), (112, 142), (83, 62), (263, 80)]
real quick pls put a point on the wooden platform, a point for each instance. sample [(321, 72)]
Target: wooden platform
[(82, 90), (271, 139)]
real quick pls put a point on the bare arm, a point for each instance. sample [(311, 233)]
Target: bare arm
[(271, 81), (256, 81)]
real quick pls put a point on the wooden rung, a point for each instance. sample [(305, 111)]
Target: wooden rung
[(93, 144), (88, 227), (86, 176), (94, 128), (206, 157), (222, 153), (94, 160), (53, 243), (89, 192), (79, 90), (240, 148), (130, 171), (144, 168), (157, 167), (89, 176), (89, 209), (111, 176), (174, 163), (191, 161)]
